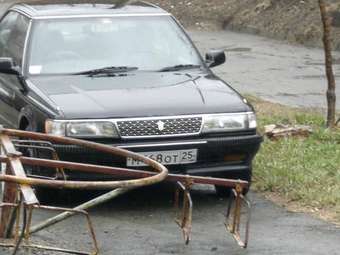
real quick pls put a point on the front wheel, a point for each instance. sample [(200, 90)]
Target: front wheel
[(226, 192)]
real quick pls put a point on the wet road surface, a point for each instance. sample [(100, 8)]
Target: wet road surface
[(273, 70), (141, 223)]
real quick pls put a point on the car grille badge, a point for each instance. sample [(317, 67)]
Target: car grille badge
[(160, 125)]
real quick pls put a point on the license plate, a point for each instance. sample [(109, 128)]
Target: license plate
[(167, 157)]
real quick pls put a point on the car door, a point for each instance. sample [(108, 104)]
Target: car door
[(13, 32)]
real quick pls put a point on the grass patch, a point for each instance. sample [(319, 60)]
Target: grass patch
[(303, 170)]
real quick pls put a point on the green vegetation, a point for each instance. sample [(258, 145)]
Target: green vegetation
[(305, 170)]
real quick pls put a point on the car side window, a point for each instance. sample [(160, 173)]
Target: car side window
[(5, 29), (13, 31)]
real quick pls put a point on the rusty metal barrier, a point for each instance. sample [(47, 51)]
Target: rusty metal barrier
[(184, 218), (235, 216), (18, 194)]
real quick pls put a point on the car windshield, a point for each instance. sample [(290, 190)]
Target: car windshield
[(75, 45)]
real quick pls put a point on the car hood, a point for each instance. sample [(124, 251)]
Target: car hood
[(139, 94)]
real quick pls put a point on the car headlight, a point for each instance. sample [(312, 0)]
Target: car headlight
[(55, 127), (84, 129), (228, 122)]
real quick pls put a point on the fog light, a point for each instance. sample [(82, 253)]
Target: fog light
[(234, 157)]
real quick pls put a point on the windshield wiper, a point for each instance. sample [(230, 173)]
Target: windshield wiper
[(179, 67), (108, 70)]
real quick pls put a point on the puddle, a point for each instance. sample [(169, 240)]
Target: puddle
[(283, 94), (274, 69), (239, 49), (314, 63), (299, 94), (335, 62), (313, 76), (312, 94)]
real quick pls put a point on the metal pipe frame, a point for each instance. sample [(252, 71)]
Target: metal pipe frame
[(113, 171), (184, 217), (15, 180), (233, 217), (21, 178), (26, 233)]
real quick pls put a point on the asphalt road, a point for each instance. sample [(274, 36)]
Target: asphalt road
[(141, 223), (273, 70)]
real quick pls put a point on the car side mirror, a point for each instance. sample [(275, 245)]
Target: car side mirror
[(7, 66), (215, 58)]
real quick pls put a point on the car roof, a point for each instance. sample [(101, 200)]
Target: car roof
[(79, 8)]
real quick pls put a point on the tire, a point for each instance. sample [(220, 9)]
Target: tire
[(225, 192), (222, 192)]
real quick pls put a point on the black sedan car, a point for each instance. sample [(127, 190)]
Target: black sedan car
[(126, 75)]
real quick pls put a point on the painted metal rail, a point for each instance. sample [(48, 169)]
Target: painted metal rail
[(18, 193)]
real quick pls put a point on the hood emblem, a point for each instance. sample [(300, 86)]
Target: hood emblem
[(160, 125)]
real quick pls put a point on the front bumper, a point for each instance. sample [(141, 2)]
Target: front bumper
[(217, 156)]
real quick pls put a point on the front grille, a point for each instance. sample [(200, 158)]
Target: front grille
[(156, 127)]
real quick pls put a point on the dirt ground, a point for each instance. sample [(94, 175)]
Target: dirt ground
[(291, 20)]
